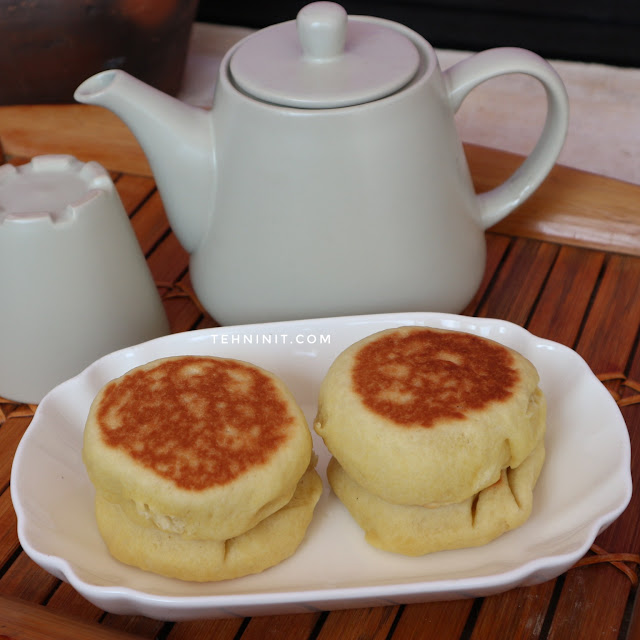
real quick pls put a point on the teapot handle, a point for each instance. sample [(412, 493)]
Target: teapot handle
[(462, 77)]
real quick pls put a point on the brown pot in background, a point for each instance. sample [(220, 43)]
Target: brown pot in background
[(48, 47)]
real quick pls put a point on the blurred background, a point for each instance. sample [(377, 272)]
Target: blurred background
[(606, 31), (47, 47)]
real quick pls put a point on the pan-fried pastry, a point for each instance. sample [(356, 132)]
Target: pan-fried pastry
[(271, 541), (200, 447), (429, 417), (416, 530)]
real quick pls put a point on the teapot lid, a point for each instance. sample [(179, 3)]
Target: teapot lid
[(324, 59)]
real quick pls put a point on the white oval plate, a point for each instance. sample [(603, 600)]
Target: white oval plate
[(585, 484)]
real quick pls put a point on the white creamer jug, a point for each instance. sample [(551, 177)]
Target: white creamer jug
[(75, 280)]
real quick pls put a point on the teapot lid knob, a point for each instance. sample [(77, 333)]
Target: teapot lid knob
[(322, 29), (325, 59)]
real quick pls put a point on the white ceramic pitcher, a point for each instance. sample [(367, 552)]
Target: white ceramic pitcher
[(328, 178), (73, 277)]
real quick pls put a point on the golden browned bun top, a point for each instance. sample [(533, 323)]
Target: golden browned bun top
[(197, 421), (419, 377)]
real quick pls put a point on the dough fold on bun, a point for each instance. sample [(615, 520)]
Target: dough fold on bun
[(270, 542), (415, 531)]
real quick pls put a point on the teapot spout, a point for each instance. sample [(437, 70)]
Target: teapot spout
[(177, 140)]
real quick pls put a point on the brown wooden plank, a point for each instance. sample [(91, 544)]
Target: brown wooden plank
[(566, 295), (372, 623), (9, 543), (26, 580), (206, 321), (223, 629), (433, 620), (11, 432), (612, 324), (519, 281), (497, 246), (623, 535), (591, 604), (626, 529), (169, 260), (497, 612), (20, 620), (85, 131), (137, 625), (571, 206), (168, 263), (633, 630), (67, 601), (134, 190), (150, 223), (295, 627)]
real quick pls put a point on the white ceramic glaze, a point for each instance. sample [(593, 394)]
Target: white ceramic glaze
[(301, 211), (585, 484), (317, 66), (74, 281)]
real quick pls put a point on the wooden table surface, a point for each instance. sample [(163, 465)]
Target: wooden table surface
[(566, 266)]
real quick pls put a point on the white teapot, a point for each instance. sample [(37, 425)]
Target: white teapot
[(328, 178)]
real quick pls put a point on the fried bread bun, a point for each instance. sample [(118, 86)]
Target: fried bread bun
[(196, 446), (271, 541), (429, 417), (415, 531)]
